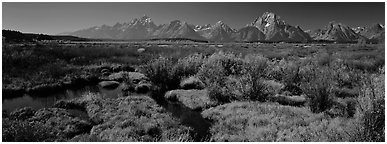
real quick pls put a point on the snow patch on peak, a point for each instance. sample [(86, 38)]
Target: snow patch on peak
[(380, 25), (220, 22)]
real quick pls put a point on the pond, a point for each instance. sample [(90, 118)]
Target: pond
[(48, 100)]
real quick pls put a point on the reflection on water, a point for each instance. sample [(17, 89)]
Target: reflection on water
[(48, 100)]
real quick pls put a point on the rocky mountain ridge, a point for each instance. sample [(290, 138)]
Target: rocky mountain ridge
[(268, 27)]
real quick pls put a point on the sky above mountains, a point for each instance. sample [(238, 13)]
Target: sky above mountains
[(54, 18)]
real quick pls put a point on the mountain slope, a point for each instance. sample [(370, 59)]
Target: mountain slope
[(249, 33), (138, 28), (176, 29), (268, 27), (374, 33), (218, 32), (337, 32)]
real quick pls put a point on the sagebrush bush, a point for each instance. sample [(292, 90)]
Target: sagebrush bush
[(371, 109), (255, 88), (189, 66), (230, 77), (256, 65), (161, 72), (288, 73), (318, 87), (220, 65)]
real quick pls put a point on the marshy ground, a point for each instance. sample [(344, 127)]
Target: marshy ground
[(188, 91)]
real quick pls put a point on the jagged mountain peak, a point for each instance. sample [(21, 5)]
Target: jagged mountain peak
[(219, 23), (176, 22), (222, 25), (144, 20), (217, 32), (201, 27), (267, 27), (268, 16), (268, 19), (337, 31), (335, 23), (145, 17), (276, 29), (374, 32)]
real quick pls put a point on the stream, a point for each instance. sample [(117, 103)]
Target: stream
[(186, 116), (48, 100)]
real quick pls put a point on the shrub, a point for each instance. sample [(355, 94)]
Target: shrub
[(230, 77), (161, 72), (254, 88), (318, 87), (189, 66), (371, 110), (256, 65), (220, 65), (273, 87), (288, 73), (238, 88)]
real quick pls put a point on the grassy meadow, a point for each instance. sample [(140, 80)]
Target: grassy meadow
[(246, 91)]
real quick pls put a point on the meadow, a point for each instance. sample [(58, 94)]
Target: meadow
[(241, 91)]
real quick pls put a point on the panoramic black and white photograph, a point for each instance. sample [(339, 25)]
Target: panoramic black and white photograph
[(193, 71)]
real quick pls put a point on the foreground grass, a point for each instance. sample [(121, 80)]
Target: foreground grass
[(269, 122), (334, 88), (134, 118), (343, 87)]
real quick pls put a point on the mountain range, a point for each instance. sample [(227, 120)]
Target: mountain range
[(268, 27)]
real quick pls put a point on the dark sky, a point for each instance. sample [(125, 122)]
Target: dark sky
[(53, 18)]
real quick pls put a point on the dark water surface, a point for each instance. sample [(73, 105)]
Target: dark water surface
[(48, 100)]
